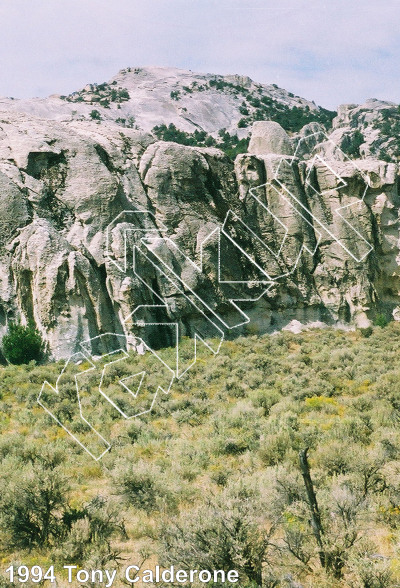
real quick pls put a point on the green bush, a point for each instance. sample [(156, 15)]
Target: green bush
[(230, 144), (225, 533), (22, 344), (366, 331), (142, 486), (351, 145), (34, 495), (95, 115), (381, 321), (90, 531)]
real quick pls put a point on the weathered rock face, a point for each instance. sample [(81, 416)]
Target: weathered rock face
[(98, 221), (269, 137), (150, 96)]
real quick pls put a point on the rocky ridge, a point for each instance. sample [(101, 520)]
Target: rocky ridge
[(143, 98)]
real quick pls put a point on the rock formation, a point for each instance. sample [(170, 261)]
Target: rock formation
[(269, 137), (98, 220), (150, 96)]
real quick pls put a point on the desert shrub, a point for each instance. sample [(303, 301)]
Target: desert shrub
[(265, 399), (352, 429), (22, 344), (135, 430), (189, 411), (143, 486), (34, 496), (90, 530), (335, 458), (220, 474), (371, 573), (11, 445), (366, 331), (233, 445), (187, 458), (342, 509), (234, 388), (236, 431), (224, 533), (273, 447)]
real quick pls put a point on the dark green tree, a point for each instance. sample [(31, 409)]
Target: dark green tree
[(352, 145), (95, 115), (22, 344)]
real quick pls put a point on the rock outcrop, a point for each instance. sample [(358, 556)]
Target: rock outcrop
[(99, 221), (149, 96), (269, 137)]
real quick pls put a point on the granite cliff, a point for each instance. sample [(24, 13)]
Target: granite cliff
[(100, 219)]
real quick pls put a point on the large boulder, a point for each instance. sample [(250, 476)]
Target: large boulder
[(267, 137)]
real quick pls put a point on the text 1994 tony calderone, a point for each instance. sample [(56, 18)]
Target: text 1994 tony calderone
[(75, 575)]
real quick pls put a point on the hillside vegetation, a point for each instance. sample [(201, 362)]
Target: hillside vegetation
[(211, 477)]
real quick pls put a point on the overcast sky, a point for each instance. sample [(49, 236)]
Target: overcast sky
[(332, 51)]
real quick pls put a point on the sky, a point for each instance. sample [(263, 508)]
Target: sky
[(332, 52)]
